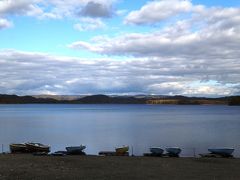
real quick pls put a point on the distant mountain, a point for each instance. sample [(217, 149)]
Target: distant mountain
[(60, 97), (104, 99), (14, 99), (95, 99)]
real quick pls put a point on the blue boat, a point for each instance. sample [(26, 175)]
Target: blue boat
[(174, 151), (156, 150), (221, 151), (75, 149)]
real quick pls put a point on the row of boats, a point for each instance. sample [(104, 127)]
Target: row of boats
[(175, 151), (171, 151), (32, 147)]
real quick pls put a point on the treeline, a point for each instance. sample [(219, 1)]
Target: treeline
[(234, 100), (103, 99), (183, 100)]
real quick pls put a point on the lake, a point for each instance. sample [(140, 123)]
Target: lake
[(104, 127)]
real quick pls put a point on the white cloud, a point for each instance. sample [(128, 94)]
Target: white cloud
[(5, 24), (200, 49), (87, 24), (213, 34), (198, 55), (58, 9), (37, 73), (20, 7), (76, 8), (159, 10)]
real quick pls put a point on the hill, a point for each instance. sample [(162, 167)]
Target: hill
[(104, 99)]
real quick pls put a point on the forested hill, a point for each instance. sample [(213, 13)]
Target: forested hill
[(103, 99)]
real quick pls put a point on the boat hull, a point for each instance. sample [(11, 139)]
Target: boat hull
[(18, 148), (37, 147), (75, 149), (222, 151), (122, 150), (175, 151), (156, 150)]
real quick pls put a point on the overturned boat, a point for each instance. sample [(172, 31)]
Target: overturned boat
[(221, 151), (37, 147), (18, 148), (173, 151), (156, 150), (122, 150), (75, 149)]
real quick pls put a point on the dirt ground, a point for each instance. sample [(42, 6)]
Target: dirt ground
[(22, 166)]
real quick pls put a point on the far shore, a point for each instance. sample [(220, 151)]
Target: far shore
[(27, 166), (107, 99)]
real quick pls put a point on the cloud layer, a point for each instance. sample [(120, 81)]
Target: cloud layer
[(211, 34), (203, 47), (36, 73)]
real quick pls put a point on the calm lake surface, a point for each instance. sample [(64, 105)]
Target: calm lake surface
[(104, 127)]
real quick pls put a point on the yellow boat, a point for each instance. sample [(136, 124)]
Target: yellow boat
[(122, 150)]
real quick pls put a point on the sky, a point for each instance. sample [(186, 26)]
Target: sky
[(163, 47)]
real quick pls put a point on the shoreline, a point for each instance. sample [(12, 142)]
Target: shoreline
[(27, 166), (109, 99)]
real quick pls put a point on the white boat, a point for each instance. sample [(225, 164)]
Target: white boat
[(222, 151), (175, 151), (72, 149), (156, 150)]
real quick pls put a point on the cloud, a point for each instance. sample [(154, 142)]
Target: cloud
[(159, 10), (96, 9), (5, 24), (20, 7), (87, 24), (38, 73), (197, 55), (57, 9), (212, 34)]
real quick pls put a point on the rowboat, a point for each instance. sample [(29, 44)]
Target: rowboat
[(222, 151), (75, 149), (18, 148), (122, 150), (175, 151), (156, 150), (37, 147)]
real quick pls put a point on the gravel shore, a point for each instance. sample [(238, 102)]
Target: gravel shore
[(23, 166)]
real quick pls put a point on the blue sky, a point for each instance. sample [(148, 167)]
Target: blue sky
[(151, 47)]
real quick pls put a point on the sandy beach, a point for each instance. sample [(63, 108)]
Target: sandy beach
[(23, 166)]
